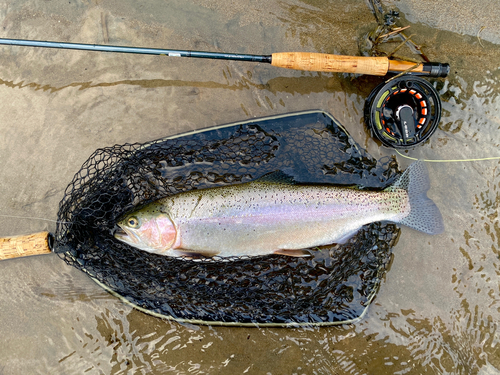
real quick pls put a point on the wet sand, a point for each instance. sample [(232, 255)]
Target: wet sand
[(438, 307)]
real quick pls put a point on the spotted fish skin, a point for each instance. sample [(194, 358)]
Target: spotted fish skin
[(265, 216)]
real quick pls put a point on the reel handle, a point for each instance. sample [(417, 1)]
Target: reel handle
[(31, 244), (378, 66)]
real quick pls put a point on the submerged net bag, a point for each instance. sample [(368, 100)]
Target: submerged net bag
[(333, 286)]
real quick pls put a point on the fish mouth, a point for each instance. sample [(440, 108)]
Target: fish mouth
[(123, 235), (119, 233), (130, 238)]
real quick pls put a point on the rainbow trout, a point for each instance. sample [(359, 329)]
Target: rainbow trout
[(274, 216)]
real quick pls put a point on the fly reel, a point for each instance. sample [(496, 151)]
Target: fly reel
[(403, 112)]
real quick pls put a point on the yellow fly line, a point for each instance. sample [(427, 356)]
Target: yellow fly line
[(449, 160)]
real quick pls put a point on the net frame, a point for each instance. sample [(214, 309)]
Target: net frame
[(334, 286)]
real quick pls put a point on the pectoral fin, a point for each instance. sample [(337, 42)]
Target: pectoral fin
[(293, 253), (346, 237), (277, 177)]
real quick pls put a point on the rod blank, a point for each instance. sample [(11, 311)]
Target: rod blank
[(137, 50)]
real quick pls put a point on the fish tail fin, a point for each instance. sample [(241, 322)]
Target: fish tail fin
[(424, 214)]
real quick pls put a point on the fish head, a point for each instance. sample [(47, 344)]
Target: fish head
[(151, 233)]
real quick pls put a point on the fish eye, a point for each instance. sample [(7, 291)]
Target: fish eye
[(133, 222)]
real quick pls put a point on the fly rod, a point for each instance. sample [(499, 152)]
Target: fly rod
[(319, 62)]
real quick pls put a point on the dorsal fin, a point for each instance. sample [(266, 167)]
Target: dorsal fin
[(277, 177)]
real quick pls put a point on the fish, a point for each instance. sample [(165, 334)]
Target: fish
[(275, 215)]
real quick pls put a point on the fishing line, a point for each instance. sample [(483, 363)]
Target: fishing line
[(34, 218), (450, 160)]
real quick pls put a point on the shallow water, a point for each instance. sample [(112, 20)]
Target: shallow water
[(438, 307)]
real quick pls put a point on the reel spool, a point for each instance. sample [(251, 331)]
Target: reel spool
[(403, 112)]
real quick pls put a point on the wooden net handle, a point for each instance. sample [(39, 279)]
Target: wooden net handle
[(322, 62), (20, 246)]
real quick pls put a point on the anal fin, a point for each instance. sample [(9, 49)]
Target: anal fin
[(194, 254), (292, 253)]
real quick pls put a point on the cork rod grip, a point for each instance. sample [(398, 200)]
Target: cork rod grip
[(20, 246), (322, 62)]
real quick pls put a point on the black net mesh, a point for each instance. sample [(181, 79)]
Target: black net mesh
[(335, 285)]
